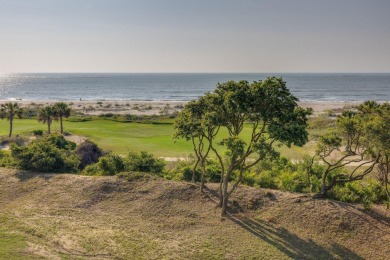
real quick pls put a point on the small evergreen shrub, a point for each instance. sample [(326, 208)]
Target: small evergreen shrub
[(51, 154), (144, 162), (107, 165), (38, 132)]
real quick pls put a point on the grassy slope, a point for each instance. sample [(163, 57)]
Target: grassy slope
[(70, 216), (124, 137)]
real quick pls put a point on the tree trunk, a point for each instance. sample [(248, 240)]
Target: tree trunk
[(62, 129), (194, 171), (324, 190), (48, 127), (387, 181), (202, 179), (225, 195), (10, 127), (220, 189)]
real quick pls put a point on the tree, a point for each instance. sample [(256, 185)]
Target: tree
[(364, 135), (9, 111), (46, 116), (274, 118), (61, 110), (194, 124), (377, 128)]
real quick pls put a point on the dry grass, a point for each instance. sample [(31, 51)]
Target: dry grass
[(58, 216)]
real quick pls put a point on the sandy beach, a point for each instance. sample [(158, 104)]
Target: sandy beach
[(136, 107)]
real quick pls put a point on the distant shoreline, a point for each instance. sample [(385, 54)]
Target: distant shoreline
[(149, 107)]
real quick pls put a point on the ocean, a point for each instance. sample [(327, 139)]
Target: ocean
[(184, 86)]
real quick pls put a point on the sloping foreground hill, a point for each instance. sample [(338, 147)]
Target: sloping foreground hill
[(58, 216)]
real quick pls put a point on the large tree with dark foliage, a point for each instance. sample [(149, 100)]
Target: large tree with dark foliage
[(269, 110)]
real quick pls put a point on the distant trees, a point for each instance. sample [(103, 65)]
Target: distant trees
[(267, 106), (61, 111), (46, 115), (10, 111), (58, 111)]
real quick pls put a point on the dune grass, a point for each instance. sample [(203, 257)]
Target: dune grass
[(12, 245), (67, 216), (121, 137)]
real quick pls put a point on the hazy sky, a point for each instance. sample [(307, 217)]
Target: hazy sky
[(194, 36)]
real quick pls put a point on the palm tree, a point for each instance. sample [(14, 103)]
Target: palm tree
[(61, 110), (9, 111), (46, 116)]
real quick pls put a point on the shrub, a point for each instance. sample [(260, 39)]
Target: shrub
[(187, 172), (367, 192), (60, 142), (46, 155), (79, 118), (144, 162), (110, 164), (91, 169), (6, 159), (182, 171), (107, 115), (266, 179), (38, 132), (89, 153)]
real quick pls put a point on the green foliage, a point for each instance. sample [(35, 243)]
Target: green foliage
[(60, 142), (37, 132), (6, 159), (187, 174), (144, 162), (365, 133), (183, 171), (108, 165), (50, 154), (92, 169), (367, 192), (285, 175), (79, 118), (113, 164), (10, 111)]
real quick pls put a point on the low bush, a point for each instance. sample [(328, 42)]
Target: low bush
[(37, 132), (79, 118), (6, 159), (107, 165), (50, 154), (367, 191), (144, 162), (183, 170)]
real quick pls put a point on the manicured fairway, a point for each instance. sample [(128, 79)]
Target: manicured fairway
[(124, 137)]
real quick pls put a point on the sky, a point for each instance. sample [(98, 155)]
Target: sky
[(194, 36)]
